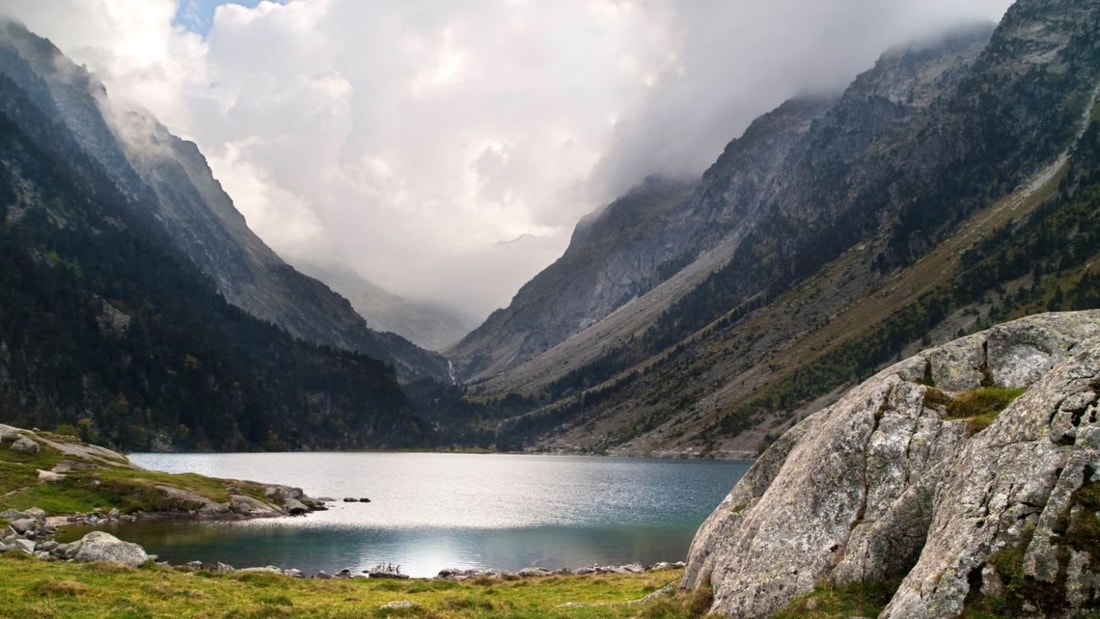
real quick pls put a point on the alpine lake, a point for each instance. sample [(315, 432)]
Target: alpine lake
[(430, 511)]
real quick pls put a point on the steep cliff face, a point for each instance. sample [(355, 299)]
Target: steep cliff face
[(776, 175), (901, 213), (901, 478), (613, 257), (635, 244), (730, 220), (168, 180)]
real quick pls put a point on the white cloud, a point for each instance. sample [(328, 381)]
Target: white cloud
[(411, 140)]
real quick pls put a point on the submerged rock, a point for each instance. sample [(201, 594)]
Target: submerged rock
[(884, 483)]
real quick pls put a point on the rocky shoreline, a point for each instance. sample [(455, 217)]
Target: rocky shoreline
[(32, 532)]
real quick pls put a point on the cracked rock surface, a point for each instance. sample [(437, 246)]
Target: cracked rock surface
[(884, 484)]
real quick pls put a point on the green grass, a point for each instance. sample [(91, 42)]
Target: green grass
[(850, 600), (1081, 533), (102, 486), (978, 407), (42, 589)]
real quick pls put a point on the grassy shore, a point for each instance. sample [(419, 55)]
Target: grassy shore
[(35, 588)]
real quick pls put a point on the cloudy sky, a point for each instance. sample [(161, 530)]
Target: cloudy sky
[(444, 150)]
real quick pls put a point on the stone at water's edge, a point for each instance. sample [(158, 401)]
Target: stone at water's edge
[(102, 546), (879, 485)]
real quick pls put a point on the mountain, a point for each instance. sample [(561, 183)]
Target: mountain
[(169, 179), (110, 330), (960, 481), (428, 325), (664, 231), (944, 189)]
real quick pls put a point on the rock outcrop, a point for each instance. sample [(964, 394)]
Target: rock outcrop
[(893, 481)]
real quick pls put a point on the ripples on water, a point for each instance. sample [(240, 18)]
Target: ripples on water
[(429, 511)]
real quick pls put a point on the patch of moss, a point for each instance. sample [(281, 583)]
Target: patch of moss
[(1083, 532), (684, 605), (1018, 589), (978, 407), (857, 599)]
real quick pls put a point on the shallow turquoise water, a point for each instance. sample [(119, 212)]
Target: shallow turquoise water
[(429, 510)]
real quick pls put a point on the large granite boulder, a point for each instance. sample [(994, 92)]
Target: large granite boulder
[(885, 484), (102, 546)]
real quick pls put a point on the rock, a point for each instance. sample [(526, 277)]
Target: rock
[(294, 506), (25, 445), (102, 546), (364, 500), (633, 568), (48, 476), (584, 571), (23, 525), (248, 506), (399, 604), (22, 544), (879, 484), (38, 514), (283, 492), (12, 514), (221, 568), (8, 433), (323, 575), (531, 572), (267, 569), (48, 545)]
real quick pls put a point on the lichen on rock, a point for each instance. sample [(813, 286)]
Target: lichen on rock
[(883, 484)]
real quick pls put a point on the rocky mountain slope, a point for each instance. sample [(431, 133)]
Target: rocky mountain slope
[(968, 471), (108, 330), (427, 325), (903, 210), (650, 235), (168, 180)]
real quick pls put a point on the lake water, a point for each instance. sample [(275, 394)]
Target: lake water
[(430, 510)]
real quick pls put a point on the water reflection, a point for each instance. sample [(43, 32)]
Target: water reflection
[(420, 552)]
